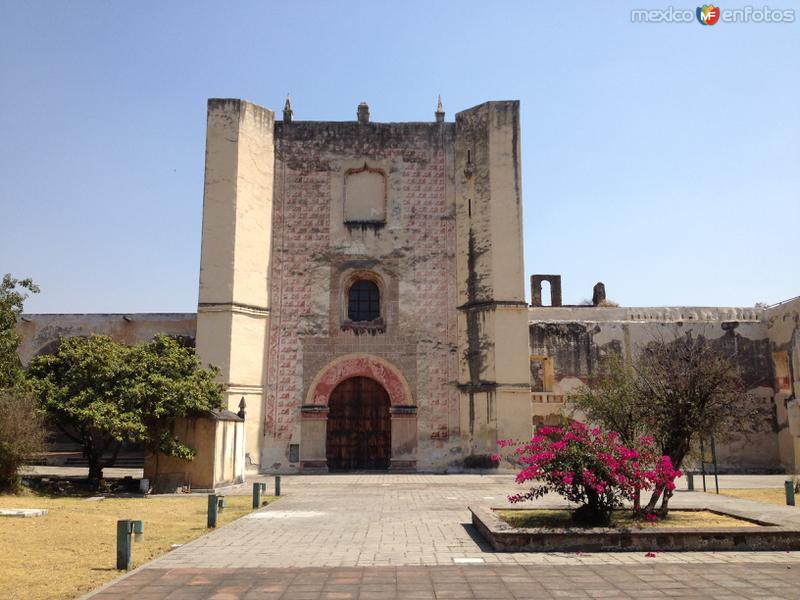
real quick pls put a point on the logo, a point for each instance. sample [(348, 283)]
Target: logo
[(708, 14)]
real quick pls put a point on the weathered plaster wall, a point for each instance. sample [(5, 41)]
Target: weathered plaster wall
[(315, 252), (233, 307), (492, 312), (575, 338), (783, 327), (40, 332)]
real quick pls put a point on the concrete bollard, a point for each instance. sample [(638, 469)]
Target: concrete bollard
[(690, 480), (789, 487), (277, 485)]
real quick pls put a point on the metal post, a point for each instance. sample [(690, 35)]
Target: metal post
[(277, 485), (703, 463), (789, 487), (124, 544), (212, 510), (690, 480), (714, 459), (258, 489)]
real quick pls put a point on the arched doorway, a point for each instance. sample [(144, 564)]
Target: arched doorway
[(359, 427)]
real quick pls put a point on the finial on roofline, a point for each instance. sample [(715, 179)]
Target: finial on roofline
[(439, 111), (363, 112), (287, 110)]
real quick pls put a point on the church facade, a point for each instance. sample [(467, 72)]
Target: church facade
[(362, 292), (362, 286)]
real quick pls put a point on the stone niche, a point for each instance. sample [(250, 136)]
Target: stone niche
[(365, 195)]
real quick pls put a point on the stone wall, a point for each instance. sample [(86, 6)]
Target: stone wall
[(407, 246), (783, 327), (574, 339), (40, 332)]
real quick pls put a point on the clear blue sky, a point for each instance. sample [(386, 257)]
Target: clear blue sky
[(662, 159)]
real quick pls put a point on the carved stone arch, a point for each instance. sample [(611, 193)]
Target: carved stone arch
[(314, 413), (359, 365)]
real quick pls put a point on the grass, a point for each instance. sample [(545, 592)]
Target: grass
[(72, 549), (561, 518), (768, 495)]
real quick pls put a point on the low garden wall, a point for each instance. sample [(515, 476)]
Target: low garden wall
[(505, 538)]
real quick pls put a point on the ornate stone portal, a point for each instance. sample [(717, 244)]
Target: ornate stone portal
[(314, 414)]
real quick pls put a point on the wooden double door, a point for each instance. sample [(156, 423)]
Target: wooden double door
[(359, 434)]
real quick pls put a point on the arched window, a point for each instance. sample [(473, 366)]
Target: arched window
[(363, 302)]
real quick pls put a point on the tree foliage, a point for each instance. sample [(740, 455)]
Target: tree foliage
[(612, 399), (170, 383), (678, 391), (81, 388), (102, 393), (22, 434), (13, 293), (21, 430), (690, 391), (591, 468)]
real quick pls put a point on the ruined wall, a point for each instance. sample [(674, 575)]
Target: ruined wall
[(40, 332), (783, 327), (320, 244), (574, 339)]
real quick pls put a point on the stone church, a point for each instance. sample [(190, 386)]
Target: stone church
[(362, 291)]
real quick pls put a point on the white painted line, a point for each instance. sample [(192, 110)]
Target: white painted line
[(285, 514), (467, 561), (451, 498), (488, 497)]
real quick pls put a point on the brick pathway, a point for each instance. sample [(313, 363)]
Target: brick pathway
[(409, 536), (536, 582)]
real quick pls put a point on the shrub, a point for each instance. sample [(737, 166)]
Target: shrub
[(21, 434), (590, 468)]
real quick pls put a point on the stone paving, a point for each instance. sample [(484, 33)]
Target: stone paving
[(722, 582), (379, 536)]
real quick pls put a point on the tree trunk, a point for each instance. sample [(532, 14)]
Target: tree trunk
[(96, 463), (593, 512), (93, 457), (664, 508), (95, 469), (651, 504)]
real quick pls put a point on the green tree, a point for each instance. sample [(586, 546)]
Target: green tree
[(21, 430), (13, 293), (169, 383), (677, 390), (81, 389), (612, 400), (102, 393)]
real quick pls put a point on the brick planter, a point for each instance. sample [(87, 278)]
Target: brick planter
[(505, 538)]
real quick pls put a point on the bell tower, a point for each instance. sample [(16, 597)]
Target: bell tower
[(494, 373), (233, 309)]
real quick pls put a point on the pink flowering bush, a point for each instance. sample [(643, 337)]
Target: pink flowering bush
[(590, 468)]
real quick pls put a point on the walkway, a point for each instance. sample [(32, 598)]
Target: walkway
[(408, 536)]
